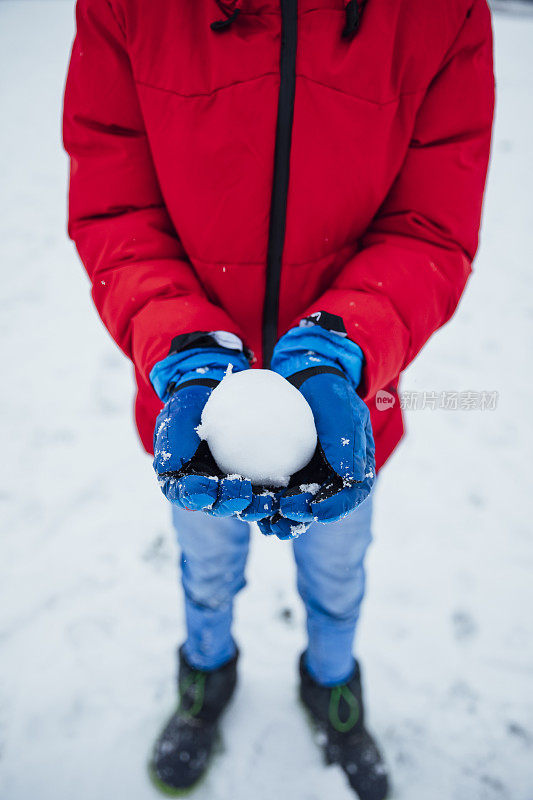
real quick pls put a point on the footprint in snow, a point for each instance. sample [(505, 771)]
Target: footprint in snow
[(464, 626)]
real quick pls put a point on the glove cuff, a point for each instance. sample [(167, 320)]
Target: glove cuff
[(198, 357), (313, 345)]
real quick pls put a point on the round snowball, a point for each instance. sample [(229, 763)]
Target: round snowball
[(259, 426)]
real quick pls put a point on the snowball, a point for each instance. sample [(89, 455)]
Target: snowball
[(259, 426)]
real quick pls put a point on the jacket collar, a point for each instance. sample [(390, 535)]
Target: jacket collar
[(231, 8)]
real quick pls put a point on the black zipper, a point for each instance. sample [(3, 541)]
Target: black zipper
[(280, 186)]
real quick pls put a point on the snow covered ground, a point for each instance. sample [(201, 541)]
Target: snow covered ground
[(90, 611)]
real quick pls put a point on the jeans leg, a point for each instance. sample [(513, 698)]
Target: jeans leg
[(213, 559), (331, 583)]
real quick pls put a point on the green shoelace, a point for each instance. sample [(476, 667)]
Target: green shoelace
[(339, 693), (197, 680)]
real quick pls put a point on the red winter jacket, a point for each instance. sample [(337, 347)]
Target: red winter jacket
[(241, 177)]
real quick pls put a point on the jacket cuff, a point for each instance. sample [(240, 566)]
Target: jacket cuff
[(197, 355), (312, 343)]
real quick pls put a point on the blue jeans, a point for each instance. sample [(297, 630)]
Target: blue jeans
[(331, 583)]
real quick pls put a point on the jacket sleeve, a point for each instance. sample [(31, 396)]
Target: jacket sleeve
[(143, 286), (415, 259)]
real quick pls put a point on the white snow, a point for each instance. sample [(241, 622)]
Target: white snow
[(90, 611), (259, 426), (312, 488)]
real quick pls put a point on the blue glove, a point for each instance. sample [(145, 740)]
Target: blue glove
[(326, 368), (186, 470)]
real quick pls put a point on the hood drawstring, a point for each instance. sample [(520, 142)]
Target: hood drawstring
[(354, 12), (231, 11), (222, 24)]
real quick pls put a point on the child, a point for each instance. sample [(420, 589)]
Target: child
[(291, 184)]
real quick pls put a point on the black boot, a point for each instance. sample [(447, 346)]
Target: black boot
[(339, 714), (182, 750)]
